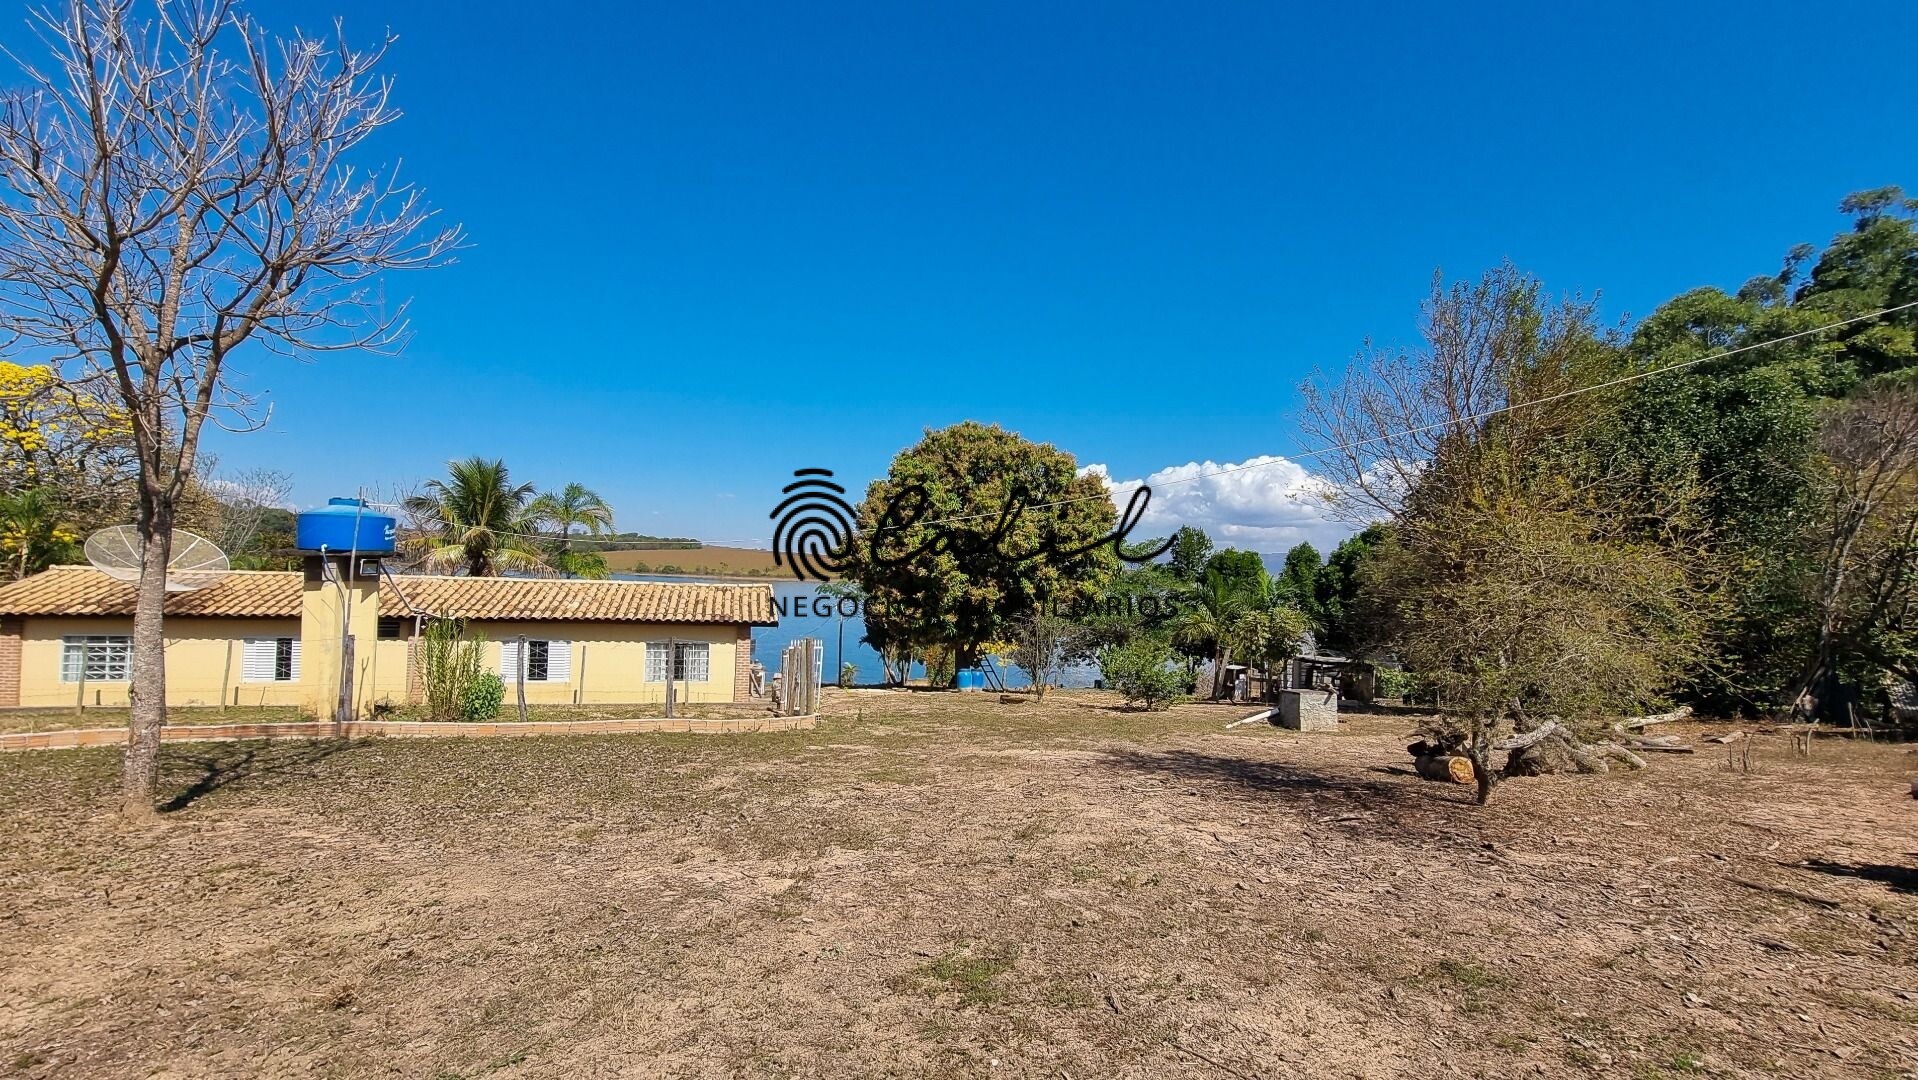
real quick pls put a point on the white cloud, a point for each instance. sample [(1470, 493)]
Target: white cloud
[(1266, 504)]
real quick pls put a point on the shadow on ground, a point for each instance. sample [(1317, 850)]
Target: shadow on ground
[(238, 764), (1374, 808), (1902, 879)]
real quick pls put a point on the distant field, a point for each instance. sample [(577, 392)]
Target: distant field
[(731, 561)]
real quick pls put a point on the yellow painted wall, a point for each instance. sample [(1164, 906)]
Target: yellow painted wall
[(203, 661), (385, 677), (321, 603), (609, 661)]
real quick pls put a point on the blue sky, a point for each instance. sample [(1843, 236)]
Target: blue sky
[(715, 243)]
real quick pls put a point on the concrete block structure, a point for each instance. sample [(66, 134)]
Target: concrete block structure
[(1309, 710)]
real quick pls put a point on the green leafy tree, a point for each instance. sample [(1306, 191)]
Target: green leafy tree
[(1244, 574), (1144, 671), (1872, 267), (1297, 584), (476, 519), (1742, 433), (1520, 584), (1140, 600), (1342, 589), (989, 527), (1191, 550), (1269, 637)]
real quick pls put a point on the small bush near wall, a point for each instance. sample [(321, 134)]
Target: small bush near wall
[(483, 698), (451, 666)]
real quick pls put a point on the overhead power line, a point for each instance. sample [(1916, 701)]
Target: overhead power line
[(625, 545), (1391, 436), (630, 545)]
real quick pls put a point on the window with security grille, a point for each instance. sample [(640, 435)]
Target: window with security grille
[(96, 658), (692, 661), (547, 660), (273, 659)]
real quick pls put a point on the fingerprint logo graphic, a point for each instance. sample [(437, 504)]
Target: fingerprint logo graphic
[(813, 534)]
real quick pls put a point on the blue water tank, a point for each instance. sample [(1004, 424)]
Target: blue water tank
[(344, 525), (970, 679)]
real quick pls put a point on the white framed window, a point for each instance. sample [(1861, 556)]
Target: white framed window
[(96, 658), (693, 661), (270, 659), (547, 660)]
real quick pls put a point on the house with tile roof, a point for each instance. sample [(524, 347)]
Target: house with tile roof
[(280, 637)]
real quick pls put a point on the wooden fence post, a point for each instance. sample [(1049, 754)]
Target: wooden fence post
[(672, 657), (519, 675)]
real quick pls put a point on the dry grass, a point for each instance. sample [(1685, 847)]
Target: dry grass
[(12, 720), (935, 884), (15, 720)]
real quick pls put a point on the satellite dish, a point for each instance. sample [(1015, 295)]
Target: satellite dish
[(196, 561)]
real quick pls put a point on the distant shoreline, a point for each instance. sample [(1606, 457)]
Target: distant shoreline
[(748, 579)]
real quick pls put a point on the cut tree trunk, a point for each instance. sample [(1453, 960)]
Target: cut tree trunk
[(1449, 768), (1681, 713)]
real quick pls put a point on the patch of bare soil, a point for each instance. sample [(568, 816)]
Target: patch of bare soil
[(938, 884)]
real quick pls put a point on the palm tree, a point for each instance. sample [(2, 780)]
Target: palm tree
[(574, 504), (476, 519), (33, 534), (1210, 621)]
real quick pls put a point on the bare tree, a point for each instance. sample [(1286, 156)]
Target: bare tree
[(1043, 645), (1864, 574), (177, 185), (1527, 593), (245, 498)]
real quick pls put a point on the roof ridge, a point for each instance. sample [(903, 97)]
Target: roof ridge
[(97, 570)]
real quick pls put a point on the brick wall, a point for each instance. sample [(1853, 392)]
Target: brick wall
[(10, 630), (743, 665)]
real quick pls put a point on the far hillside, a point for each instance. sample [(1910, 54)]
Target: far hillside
[(706, 560)]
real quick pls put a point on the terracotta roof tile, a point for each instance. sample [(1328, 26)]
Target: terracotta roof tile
[(572, 598), (82, 590)]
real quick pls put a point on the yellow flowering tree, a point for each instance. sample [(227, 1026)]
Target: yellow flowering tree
[(57, 438)]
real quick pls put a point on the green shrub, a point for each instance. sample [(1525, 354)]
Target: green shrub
[(1396, 683), (451, 664), (848, 674), (483, 697), (1144, 672)]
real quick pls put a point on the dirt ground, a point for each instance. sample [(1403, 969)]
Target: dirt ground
[(941, 885)]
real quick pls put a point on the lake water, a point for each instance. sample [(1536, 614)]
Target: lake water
[(843, 637)]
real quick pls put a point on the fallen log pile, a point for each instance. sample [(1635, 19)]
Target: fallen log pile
[(1437, 762), (1550, 748)]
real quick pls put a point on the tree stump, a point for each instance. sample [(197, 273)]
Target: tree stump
[(1449, 768)]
